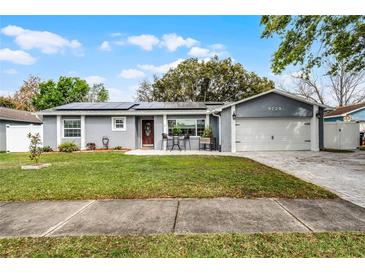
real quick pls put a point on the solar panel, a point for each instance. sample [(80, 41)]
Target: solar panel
[(97, 106), (170, 105)]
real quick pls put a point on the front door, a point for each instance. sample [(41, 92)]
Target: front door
[(147, 133)]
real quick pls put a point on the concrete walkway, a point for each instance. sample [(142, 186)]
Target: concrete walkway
[(180, 216)]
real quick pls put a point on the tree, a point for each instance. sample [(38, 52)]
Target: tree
[(35, 150), (66, 90), (23, 97), (7, 102), (308, 40), (97, 93), (309, 86), (196, 80)]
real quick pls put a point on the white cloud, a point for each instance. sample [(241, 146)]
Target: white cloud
[(16, 56), (94, 79), (160, 69), (172, 41), (145, 41), (119, 95), (46, 42), (131, 73), (6, 92), (105, 46), (199, 52), (11, 71), (217, 47)]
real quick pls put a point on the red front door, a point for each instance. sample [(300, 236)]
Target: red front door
[(147, 133)]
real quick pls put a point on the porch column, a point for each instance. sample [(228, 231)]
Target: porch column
[(207, 121), (165, 129), (315, 130), (82, 144), (233, 129), (58, 131)]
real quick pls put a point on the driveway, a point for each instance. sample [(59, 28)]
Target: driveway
[(342, 173)]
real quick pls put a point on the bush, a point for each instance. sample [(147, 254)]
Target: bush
[(118, 148), (47, 149), (208, 133), (176, 131), (68, 147), (90, 146)]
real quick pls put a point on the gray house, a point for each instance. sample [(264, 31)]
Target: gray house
[(273, 120), (13, 117)]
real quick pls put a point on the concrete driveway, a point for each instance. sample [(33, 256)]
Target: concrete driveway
[(342, 173)]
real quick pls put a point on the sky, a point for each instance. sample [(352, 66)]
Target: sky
[(120, 51)]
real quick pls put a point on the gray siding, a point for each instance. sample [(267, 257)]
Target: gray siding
[(98, 126), (158, 129), (50, 131), (2, 136), (226, 129), (262, 107)]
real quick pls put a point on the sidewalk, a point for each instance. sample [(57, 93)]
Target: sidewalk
[(180, 216)]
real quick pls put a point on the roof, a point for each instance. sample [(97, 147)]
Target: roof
[(280, 92), (18, 115), (133, 107), (343, 111)]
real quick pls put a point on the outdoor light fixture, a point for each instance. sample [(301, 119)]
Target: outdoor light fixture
[(318, 115), (234, 116)]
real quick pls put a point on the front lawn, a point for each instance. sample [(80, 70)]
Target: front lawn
[(104, 175), (273, 245)]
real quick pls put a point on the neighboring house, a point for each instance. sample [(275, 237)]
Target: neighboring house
[(348, 113), (13, 117), (273, 120)]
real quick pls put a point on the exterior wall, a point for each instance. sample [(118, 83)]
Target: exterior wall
[(226, 129), (321, 129), (333, 119), (158, 130), (273, 105), (358, 115), (50, 131), (98, 126), (213, 122)]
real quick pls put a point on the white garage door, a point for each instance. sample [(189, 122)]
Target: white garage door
[(16, 137), (272, 134)]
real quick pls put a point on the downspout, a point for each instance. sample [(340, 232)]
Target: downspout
[(219, 131)]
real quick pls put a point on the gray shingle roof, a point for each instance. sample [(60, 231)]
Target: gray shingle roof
[(18, 115)]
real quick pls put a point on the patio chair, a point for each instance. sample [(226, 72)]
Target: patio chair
[(165, 138)]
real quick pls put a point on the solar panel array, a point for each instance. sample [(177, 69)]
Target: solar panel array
[(170, 105), (97, 106)]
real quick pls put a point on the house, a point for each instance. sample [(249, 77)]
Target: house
[(273, 120), (14, 118), (348, 113)]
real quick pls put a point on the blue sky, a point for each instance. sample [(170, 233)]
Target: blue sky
[(120, 51)]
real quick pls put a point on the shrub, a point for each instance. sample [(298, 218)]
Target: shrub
[(118, 148), (90, 146), (47, 149), (208, 133), (34, 149), (68, 147)]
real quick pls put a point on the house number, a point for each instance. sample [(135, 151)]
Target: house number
[(275, 108)]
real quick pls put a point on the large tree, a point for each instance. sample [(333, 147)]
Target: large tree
[(197, 80), (23, 97), (308, 40), (97, 93), (7, 102), (65, 90)]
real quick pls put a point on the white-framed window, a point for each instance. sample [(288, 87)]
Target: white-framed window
[(71, 128), (119, 124), (192, 127)]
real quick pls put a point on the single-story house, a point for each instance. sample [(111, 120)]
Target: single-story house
[(13, 117), (348, 113), (272, 120)]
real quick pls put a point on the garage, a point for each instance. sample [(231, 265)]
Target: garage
[(263, 134), (272, 121)]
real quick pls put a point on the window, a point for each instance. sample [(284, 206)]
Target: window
[(118, 123), (192, 127), (72, 128)]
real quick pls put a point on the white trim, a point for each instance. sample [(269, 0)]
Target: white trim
[(314, 130), (83, 142), (119, 118), (233, 129), (207, 121), (63, 128), (333, 116), (165, 129), (277, 91), (219, 128), (58, 130)]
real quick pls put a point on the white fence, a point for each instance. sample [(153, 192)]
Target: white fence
[(341, 135), (16, 137)]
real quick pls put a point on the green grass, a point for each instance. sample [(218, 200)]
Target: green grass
[(104, 175), (203, 245)]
